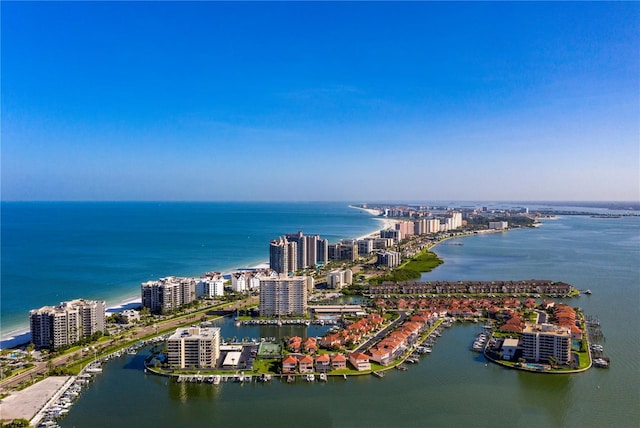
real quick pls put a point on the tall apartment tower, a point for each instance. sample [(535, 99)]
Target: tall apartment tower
[(67, 323), (322, 251), (168, 294), (311, 243), (302, 248), (284, 295), (283, 255)]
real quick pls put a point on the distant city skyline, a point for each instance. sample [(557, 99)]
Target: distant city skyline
[(415, 101)]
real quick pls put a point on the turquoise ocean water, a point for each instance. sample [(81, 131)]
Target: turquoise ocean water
[(56, 251)]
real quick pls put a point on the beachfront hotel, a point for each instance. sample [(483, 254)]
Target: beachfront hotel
[(67, 323), (543, 341), (194, 347), (168, 294), (284, 296)]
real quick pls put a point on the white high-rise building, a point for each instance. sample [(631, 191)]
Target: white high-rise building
[(456, 220), (67, 323), (433, 225), (543, 341), (210, 285), (498, 225), (194, 347), (283, 296), (283, 255), (339, 278)]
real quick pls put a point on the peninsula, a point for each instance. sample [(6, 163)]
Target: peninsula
[(396, 319)]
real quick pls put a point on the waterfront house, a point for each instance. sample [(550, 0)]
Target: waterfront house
[(381, 356), (359, 361), (289, 364), (305, 364), (323, 363), (338, 362)]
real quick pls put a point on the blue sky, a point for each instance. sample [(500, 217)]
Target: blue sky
[(320, 101)]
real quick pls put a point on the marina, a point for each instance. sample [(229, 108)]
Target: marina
[(449, 349)]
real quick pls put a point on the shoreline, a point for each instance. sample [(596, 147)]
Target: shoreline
[(20, 335)]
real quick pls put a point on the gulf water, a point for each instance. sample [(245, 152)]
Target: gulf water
[(57, 251)]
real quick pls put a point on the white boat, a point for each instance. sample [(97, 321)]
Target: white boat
[(323, 377), (265, 377), (310, 378), (216, 379)]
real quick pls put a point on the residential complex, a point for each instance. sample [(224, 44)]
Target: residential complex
[(168, 294), (389, 258), (248, 281), (283, 296), (283, 255), (339, 278), (194, 347), (67, 323), (543, 341), (498, 225), (211, 284), (428, 225), (540, 286), (344, 250), (292, 252)]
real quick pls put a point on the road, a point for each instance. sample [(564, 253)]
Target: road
[(135, 333), (382, 333)]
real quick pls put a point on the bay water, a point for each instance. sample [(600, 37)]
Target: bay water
[(58, 251), (452, 386)]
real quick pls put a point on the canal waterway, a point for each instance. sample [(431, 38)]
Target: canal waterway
[(450, 387)]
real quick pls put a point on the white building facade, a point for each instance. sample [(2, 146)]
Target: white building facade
[(284, 296), (194, 347), (337, 279)]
